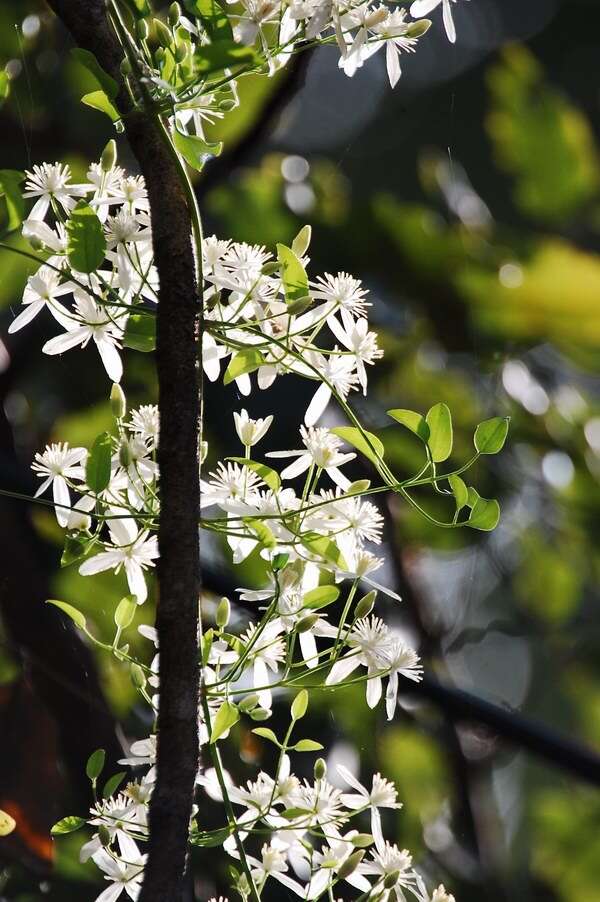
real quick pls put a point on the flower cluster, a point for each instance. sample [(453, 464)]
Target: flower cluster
[(306, 513)]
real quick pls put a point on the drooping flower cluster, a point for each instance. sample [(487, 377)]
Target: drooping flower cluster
[(305, 512)]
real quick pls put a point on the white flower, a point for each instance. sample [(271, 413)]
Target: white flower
[(424, 7), (382, 795), (51, 182), (328, 861), (55, 465), (132, 549), (361, 343), (110, 813), (41, 291), (342, 292), (393, 33), (440, 895), (230, 483), (273, 864), (391, 860), (91, 322), (339, 372), (125, 873), (368, 640), (321, 450), (400, 658), (144, 422), (250, 431)]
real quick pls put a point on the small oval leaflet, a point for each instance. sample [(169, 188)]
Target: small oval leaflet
[(86, 244), (365, 442), (320, 597), (125, 612), (307, 745), (227, 716), (67, 825), (300, 705), (439, 420), (490, 435), (95, 764), (97, 468), (412, 420), (7, 823), (75, 615)]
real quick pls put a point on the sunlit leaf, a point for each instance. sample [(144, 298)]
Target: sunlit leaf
[(98, 464), (268, 476), (439, 420), (412, 420), (321, 597), (293, 275), (140, 332), (490, 435), (86, 244), (226, 717), (365, 442), (67, 825), (75, 615)]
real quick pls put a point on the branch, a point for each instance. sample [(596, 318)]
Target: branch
[(178, 398)]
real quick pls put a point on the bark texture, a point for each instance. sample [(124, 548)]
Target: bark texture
[(179, 392)]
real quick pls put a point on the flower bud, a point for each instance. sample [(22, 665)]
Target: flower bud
[(248, 703), (118, 402), (301, 241), (418, 29), (300, 305), (108, 157), (159, 55), (365, 605), (227, 105), (362, 840), (260, 714), (125, 455), (163, 34), (358, 487), (391, 880), (320, 769), (223, 613), (35, 242), (104, 835), (180, 53), (138, 677), (174, 14), (307, 623), (350, 865), (141, 29), (125, 67)]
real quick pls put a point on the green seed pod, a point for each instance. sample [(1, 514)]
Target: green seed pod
[(350, 865), (163, 34), (141, 29), (365, 605), (300, 305), (418, 29), (118, 402), (159, 55), (108, 157), (320, 769), (180, 53), (174, 14), (227, 105), (362, 840), (223, 613)]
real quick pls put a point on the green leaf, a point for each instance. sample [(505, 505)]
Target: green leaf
[(97, 467), (105, 81), (98, 100), (140, 332), (491, 434), (412, 420), (459, 490), (300, 705), (307, 745), (14, 206), (112, 784), (95, 764), (325, 548), (268, 476), (245, 361), (227, 716), (213, 17), (439, 420), (266, 733), (194, 150), (212, 839), (321, 597), (293, 274), (75, 615), (360, 441), (125, 612), (484, 515), (86, 244), (301, 241), (67, 825)]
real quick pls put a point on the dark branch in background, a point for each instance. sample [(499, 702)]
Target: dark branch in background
[(464, 707), (179, 391)]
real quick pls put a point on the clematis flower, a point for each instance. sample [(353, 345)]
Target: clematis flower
[(41, 291), (55, 465), (423, 7), (124, 873), (251, 431), (51, 182), (131, 549), (383, 794), (321, 449)]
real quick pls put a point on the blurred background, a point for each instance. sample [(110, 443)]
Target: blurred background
[(468, 200)]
